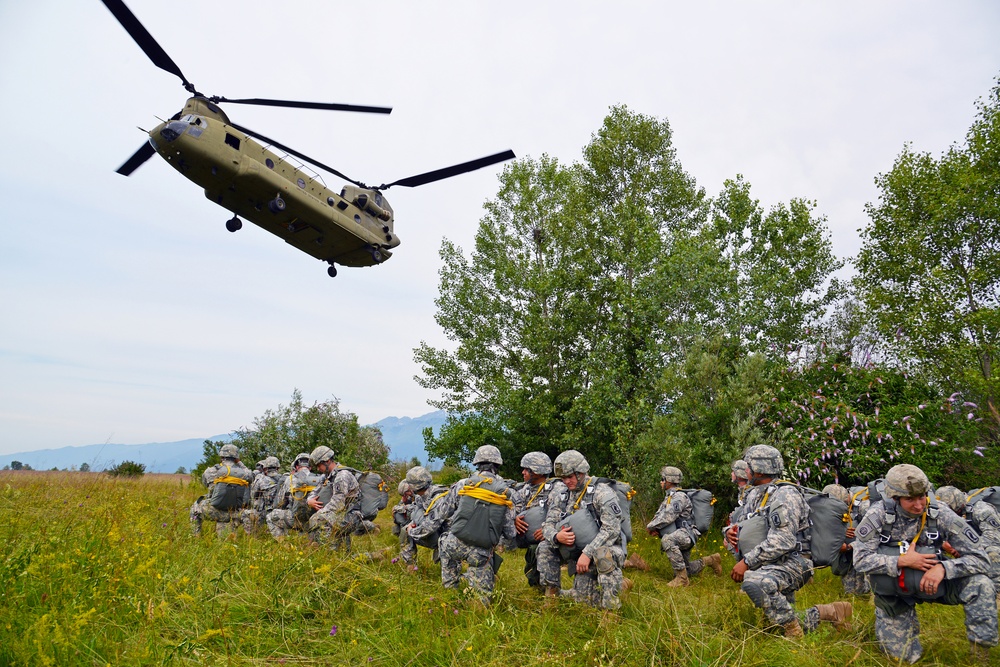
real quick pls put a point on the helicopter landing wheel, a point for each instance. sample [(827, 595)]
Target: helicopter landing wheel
[(332, 271), (276, 205), (376, 255), (234, 224)]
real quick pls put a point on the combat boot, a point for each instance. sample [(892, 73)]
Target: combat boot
[(626, 584), (636, 561), (714, 561), (838, 613), (551, 597), (793, 630), (680, 579)]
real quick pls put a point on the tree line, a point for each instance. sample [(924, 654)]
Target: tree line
[(613, 306)]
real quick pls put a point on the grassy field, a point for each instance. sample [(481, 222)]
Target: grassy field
[(98, 571)]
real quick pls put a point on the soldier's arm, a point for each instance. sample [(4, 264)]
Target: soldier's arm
[(665, 515), (972, 557)]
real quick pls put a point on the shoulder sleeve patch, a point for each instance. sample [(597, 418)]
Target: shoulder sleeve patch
[(864, 530), (972, 535), (616, 509)]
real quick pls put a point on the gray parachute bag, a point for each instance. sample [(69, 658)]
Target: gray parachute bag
[(534, 514), (374, 492), (625, 494), (231, 491), (828, 520), (482, 509), (908, 583), (702, 508)]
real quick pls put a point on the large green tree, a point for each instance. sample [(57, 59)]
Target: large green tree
[(929, 266)]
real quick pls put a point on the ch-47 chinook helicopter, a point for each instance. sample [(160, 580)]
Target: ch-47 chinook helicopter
[(353, 227)]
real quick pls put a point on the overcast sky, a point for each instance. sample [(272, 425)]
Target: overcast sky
[(131, 315)]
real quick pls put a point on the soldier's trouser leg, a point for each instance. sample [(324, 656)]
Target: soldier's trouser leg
[(479, 575), (531, 565), (693, 566), (673, 546), (601, 584), (451, 553), (768, 586), (898, 629), (279, 522), (408, 552), (195, 515), (549, 560), (977, 595), (334, 529), (855, 583)]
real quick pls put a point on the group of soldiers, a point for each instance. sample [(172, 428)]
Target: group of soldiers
[(904, 545)]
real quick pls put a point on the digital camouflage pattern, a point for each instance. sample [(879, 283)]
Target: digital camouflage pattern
[(896, 624), (425, 527), (333, 524), (776, 566), (225, 520), (262, 494), (987, 518), (536, 494), (601, 585), (674, 520), (281, 519)]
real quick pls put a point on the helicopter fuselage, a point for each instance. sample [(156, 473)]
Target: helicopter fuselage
[(352, 228)]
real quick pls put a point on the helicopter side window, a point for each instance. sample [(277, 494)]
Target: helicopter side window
[(232, 141)]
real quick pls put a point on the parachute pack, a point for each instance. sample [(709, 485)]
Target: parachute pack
[(482, 507), (703, 508), (907, 583), (229, 491), (625, 494), (535, 510), (300, 487), (828, 519), (584, 520), (374, 492)]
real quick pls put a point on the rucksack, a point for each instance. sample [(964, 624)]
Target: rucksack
[(229, 491), (374, 492), (482, 507)]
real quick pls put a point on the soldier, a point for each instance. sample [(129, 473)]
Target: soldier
[(401, 511), (582, 527), (480, 513), (984, 517), (337, 501), (290, 509), (898, 546), (530, 503), (262, 493), (774, 554), (229, 492), (420, 532), (673, 523)]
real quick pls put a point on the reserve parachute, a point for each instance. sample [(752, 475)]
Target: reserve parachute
[(229, 491)]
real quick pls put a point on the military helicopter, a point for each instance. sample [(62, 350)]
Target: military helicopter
[(351, 228)]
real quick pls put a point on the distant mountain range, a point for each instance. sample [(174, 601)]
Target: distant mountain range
[(404, 435)]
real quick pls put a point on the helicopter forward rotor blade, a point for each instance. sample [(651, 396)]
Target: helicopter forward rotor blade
[(307, 105), (138, 158), (448, 172), (145, 41), (294, 152)]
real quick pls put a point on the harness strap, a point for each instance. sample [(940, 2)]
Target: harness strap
[(229, 479), (485, 495), (538, 491)]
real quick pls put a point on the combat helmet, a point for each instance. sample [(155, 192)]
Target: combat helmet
[(569, 463), (906, 481), (537, 462), (320, 455), (739, 468), (487, 454), (838, 492), (953, 498), (764, 460), (229, 452), (671, 474), (302, 458), (419, 478), (272, 463), (403, 487)]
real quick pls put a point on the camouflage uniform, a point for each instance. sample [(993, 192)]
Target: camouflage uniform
[(424, 528), (480, 575), (854, 582), (282, 519), (674, 521), (535, 494), (340, 516), (401, 511), (777, 568), (965, 582), (601, 585), (262, 494), (202, 508), (987, 518)]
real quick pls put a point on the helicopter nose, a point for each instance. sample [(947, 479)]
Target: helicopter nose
[(173, 130)]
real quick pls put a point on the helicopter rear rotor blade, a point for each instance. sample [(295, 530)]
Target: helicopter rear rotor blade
[(145, 41), (294, 152), (138, 158), (306, 105), (448, 172)]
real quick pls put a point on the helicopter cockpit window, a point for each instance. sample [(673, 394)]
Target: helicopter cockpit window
[(232, 141)]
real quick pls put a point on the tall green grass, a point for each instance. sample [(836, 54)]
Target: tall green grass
[(99, 571)]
